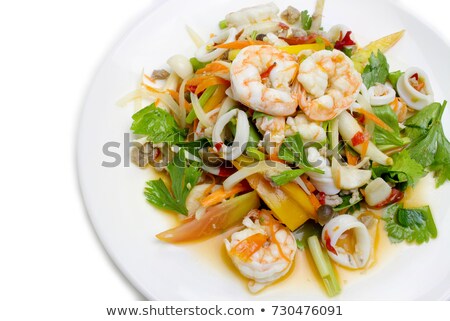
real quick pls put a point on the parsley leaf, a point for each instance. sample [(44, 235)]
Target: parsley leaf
[(405, 171), (183, 179), (376, 71), (289, 176), (157, 124), (394, 76), (410, 225), (293, 151), (383, 136), (346, 205), (429, 146), (306, 20)]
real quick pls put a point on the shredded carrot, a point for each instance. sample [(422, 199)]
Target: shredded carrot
[(212, 68), (394, 104), (314, 201), (249, 246), (240, 44), (150, 88), (211, 81), (365, 144), (352, 159), (274, 157), (274, 239), (174, 95), (195, 125), (419, 86), (193, 82), (215, 99), (374, 118), (221, 194), (308, 184), (210, 187), (266, 73)]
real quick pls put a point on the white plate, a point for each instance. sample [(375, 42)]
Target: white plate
[(126, 224)]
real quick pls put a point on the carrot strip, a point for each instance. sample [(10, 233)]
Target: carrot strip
[(193, 82), (210, 187), (247, 247), (308, 184), (374, 118), (365, 144), (314, 201), (221, 194), (215, 99), (240, 44), (210, 81), (351, 158), (212, 68)]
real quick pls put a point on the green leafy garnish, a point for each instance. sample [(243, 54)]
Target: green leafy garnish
[(410, 225), (405, 171), (258, 114), (158, 125), (289, 176), (195, 146), (183, 178), (293, 151), (305, 231), (376, 71), (429, 146), (346, 205), (306, 20), (394, 76), (383, 136)]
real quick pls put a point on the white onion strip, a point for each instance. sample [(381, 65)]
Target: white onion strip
[(258, 167), (201, 115), (241, 138), (205, 55), (196, 39), (227, 105)]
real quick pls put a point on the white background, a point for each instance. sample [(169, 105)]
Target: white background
[(49, 53)]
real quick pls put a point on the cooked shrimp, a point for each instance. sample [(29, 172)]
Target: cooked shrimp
[(264, 251), (310, 131), (261, 78), (329, 84), (273, 130)]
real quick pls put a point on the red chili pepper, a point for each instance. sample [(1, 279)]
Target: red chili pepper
[(218, 146), (415, 76), (301, 40), (266, 73), (358, 139), (283, 26), (321, 197), (394, 197), (192, 88), (361, 119), (328, 244), (344, 41), (226, 172)]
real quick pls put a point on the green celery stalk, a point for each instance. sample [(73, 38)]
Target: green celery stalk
[(223, 24), (196, 64), (324, 266), (202, 100), (254, 153)]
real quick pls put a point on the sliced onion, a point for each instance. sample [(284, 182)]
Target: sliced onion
[(201, 115), (227, 105), (334, 229), (205, 55), (198, 41), (258, 167), (172, 82), (241, 138), (413, 98), (381, 95), (181, 66), (302, 185)]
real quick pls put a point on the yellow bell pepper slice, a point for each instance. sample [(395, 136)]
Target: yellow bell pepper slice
[(361, 56), (295, 49), (289, 203)]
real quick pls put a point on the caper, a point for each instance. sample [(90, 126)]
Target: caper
[(325, 213), (260, 37)]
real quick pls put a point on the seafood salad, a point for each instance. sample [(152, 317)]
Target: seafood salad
[(279, 135)]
